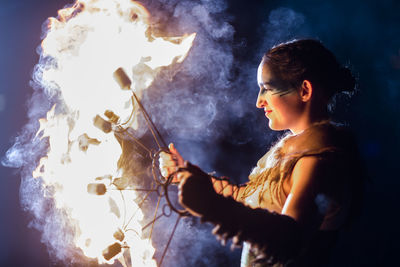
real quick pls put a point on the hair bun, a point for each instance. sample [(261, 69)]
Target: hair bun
[(347, 81)]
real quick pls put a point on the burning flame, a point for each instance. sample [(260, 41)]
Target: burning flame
[(85, 44)]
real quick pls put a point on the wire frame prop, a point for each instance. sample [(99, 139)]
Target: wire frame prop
[(159, 186)]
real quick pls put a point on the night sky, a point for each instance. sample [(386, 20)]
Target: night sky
[(363, 34)]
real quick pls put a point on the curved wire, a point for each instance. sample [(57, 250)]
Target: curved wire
[(150, 123)]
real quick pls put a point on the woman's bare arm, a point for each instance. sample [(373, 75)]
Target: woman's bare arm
[(307, 176), (223, 187)]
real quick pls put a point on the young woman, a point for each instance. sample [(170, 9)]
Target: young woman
[(306, 187)]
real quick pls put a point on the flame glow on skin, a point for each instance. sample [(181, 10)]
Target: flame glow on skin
[(87, 43)]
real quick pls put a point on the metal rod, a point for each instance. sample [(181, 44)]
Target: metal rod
[(135, 139), (130, 116), (155, 214), (152, 221), (149, 121), (123, 200), (170, 239), (139, 206)]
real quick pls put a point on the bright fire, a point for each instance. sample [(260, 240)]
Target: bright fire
[(87, 43)]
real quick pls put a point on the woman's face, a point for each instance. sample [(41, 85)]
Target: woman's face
[(282, 104)]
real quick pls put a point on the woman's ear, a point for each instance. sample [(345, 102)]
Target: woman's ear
[(306, 91)]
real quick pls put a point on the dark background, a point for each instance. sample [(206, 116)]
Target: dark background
[(363, 33)]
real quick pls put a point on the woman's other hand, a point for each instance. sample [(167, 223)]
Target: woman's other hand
[(169, 163)]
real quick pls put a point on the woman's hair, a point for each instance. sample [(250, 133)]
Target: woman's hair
[(298, 60)]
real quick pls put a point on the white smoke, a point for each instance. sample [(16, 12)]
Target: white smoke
[(283, 24)]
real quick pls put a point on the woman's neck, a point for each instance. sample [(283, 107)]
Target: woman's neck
[(308, 119)]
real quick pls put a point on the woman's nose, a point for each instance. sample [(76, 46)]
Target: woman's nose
[(261, 102)]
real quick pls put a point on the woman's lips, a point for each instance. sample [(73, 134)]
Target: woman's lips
[(267, 112)]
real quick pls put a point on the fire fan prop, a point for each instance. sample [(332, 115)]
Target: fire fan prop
[(86, 50)]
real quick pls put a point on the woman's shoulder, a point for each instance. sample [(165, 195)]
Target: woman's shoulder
[(321, 137)]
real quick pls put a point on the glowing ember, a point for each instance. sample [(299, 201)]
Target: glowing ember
[(86, 44)]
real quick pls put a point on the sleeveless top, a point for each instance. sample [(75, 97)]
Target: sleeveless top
[(324, 140)]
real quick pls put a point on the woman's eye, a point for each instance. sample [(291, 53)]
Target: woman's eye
[(265, 90)]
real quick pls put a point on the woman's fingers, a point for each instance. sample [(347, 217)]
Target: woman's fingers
[(172, 148), (166, 160), (176, 155), (167, 164)]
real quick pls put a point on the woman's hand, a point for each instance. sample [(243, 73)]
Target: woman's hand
[(169, 163)]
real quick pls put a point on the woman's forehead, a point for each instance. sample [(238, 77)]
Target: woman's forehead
[(266, 78), (259, 74), (263, 74)]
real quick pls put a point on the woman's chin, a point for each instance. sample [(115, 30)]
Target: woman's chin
[(274, 126)]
